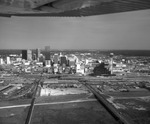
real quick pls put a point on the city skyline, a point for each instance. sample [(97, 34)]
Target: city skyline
[(129, 30)]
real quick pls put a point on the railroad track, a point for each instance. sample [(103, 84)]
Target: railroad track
[(31, 108)]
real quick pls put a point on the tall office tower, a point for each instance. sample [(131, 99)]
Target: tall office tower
[(8, 60), (1, 61), (34, 56), (56, 58), (111, 62), (38, 52), (47, 56), (27, 54), (24, 54), (47, 52)]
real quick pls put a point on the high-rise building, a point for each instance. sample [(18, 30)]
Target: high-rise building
[(38, 52), (56, 58), (34, 56), (1, 61), (47, 55), (27, 54), (47, 52), (24, 54), (8, 60)]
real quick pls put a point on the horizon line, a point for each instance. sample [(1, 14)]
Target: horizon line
[(77, 49)]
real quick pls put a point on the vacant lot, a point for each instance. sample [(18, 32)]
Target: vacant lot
[(13, 115), (72, 113), (137, 109)]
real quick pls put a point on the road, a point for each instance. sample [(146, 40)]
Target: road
[(52, 103)]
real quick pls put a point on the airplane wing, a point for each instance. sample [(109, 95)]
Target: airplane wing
[(69, 8)]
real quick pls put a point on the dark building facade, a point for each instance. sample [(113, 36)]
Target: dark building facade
[(33, 56), (27, 54), (63, 60), (24, 54), (47, 53), (38, 52)]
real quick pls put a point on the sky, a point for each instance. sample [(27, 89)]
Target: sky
[(129, 30)]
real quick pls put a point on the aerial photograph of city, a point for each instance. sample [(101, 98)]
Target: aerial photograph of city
[(74, 61)]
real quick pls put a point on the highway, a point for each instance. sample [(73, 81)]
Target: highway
[(111, 109)]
